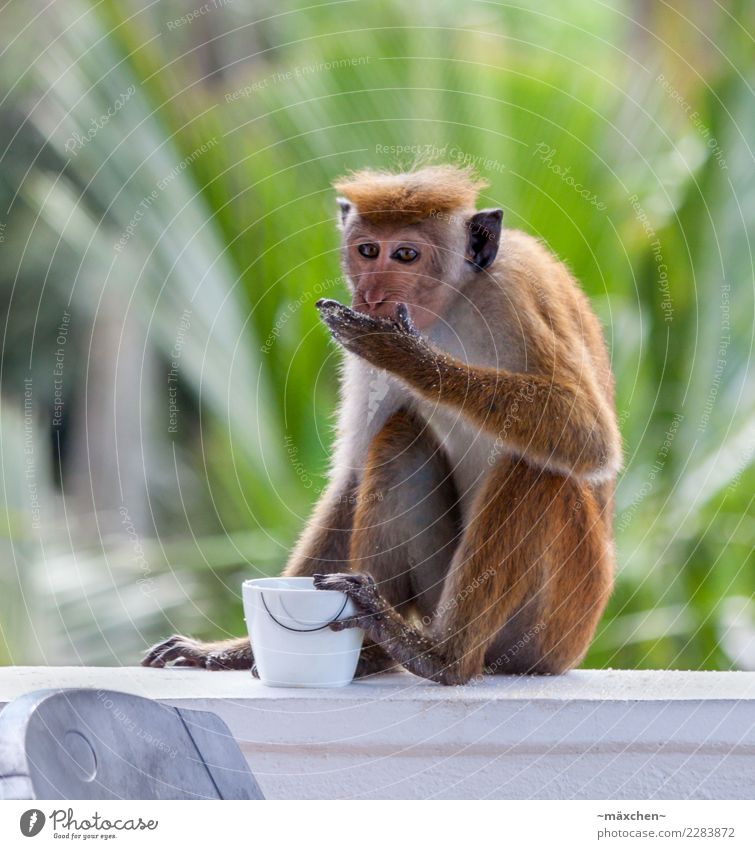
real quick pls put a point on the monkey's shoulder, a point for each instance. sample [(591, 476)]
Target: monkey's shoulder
[(538, 291), (527, 260)]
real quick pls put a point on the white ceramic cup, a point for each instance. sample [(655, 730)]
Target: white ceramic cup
[(292, 644)]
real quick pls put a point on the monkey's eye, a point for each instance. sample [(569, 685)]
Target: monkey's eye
[(369, 250), (405, 254)]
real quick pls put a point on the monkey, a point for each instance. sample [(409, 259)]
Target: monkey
[(468, 510)]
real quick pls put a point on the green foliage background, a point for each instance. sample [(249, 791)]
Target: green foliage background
[(620, 133)]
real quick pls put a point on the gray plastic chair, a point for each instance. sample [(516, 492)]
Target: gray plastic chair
[(101, 744)]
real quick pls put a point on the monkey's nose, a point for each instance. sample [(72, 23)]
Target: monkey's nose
[(373, 297)]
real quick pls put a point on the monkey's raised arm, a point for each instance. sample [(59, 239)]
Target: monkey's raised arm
[(556, 422)]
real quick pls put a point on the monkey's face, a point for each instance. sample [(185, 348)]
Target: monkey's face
[(390, 266)]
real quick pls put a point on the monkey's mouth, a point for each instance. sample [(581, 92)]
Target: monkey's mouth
[(386, 308)]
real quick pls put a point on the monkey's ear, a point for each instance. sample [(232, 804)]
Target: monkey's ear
[(344, 207), (484, 236)]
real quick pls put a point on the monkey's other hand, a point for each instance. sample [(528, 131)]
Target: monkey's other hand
[(185, 651), (390, 344), (361, 589)]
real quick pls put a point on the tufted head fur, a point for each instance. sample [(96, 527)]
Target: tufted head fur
[(412, 196)]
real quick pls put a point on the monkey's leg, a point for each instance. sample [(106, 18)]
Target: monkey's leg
[(406, 522), (535, 545), (185, 651), (324, 543), (324, 546), (578, 578)]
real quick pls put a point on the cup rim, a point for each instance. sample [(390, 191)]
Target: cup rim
[(268, 586)]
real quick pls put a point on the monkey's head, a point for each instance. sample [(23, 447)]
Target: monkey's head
[(413, 238)]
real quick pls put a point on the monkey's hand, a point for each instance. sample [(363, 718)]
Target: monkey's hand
[(184, 651), (391, 344), (361, 589), (386, 627)]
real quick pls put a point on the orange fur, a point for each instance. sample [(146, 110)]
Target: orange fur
[(380, 195)]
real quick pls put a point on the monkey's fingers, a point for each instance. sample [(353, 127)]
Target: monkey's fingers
[(334, 313), (362, 591), (327, 304), (189, 651), (404, 320), (357, 621), (342, 320), (344, 582), (187, 654), (153, 653)]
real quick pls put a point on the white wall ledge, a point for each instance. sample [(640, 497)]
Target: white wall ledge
[(586, 735)]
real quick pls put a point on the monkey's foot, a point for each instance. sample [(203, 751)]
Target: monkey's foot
[(184, 651), (362, 591)]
